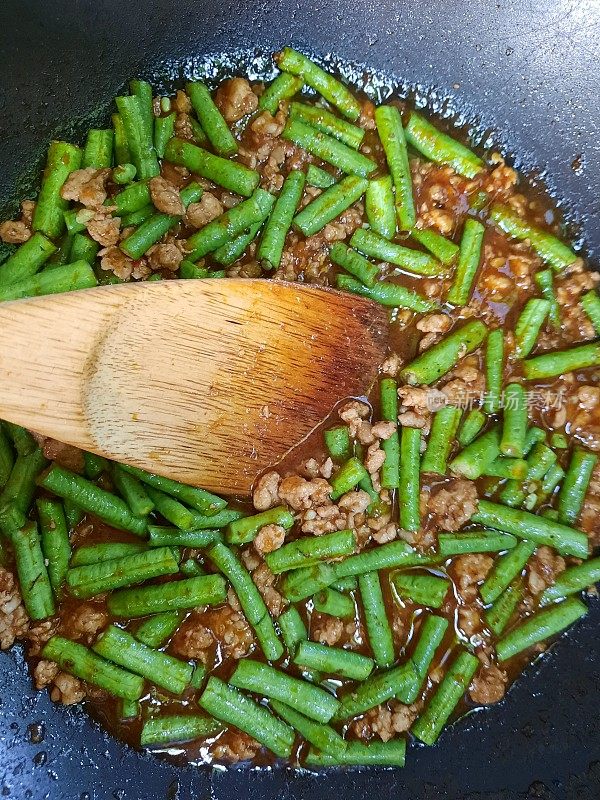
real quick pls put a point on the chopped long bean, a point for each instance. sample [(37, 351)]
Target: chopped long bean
[(378, 627), (55, 541), (409, 484), (211, 119), (19, 490), (524, 525), (505, 569), (423, 588), (573, 580), (443, 430), (575, 485), (380, 208), (499, 614), (391, 134), (105, 551), (176, 729), (244, 530), (548, 247), (164, 128), (453, 544), (395, 682), (121, 147), (231, 706), (514, 428), (63, 159), (199, 499), (64, 278), (468, 262), (97, 152), (187, 593), (529, 325), (330, 204), (540, 627), (591, 305), (132, 491), (328, 149), (155, 630), (471, 426), (354, 263), (443, 249), (277, 226), (176, 537), (561, 362), (476, 457), (337, 441), (229, 174), (376, 753), (139, 135), (442, 357), (309, 550), (408, 259), (388, 397), (388, 294), (27, 259), (429, 725), (283, 88), (78, 660), (431, 633), (545, 282), (333, 660), (34, 582), (325, 121), (441, 148)]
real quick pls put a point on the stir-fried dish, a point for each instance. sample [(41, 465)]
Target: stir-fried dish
[(426, 543)]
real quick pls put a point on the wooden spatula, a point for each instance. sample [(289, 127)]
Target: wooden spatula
[(207, 382)]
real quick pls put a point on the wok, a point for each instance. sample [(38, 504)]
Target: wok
[(524, 75)]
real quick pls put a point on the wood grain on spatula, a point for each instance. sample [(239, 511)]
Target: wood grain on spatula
[(208, 382)]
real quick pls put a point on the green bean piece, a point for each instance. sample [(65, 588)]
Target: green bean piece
[(388, 399), (514, 428), (545, 282), (199, 499), (309, 550), (283, 88), (158, 629), (441, 148), (315, 176), (55, 541), (500, 613), (333, 660), (132, 491), (573, 580), (409, 260), (230, 224), (234, 708), (575, 485), (551, 480), (376, 753), (124, 173), (480, 541), (310, 700), (152, 229), (540, 626), (330, 204), (143, 91), (134, 198), (83, 663), (354, 263), (73, 513), (103, 576), (429, 725), (94, 465), (539, 530), (230, 252), (336, 604), (191, 568), (504, 571), (443, 430), (169, 508), (139, 135), (471, 426), (18, 492), (422, 588), (243, 531), (7, 458), (337, 441), (292, 628), (277, 226), (388, 294), (380, 206), (92, 498), (475, 458), (549, 365), (289, 60), (63, 159), (539, 462), (219, 520), (328, 149), (559, 441), (469, 258), (160, 536), (317, 733), (129, 709), (173, 596), (75, 220), (529, 325), (65, 278), (211, 119), (409, 484), (347, 477), (177, 729), (23, 441), (443, 356), (121, 147), (252, 604), (326, 122), (83, 248), (378, 627), (105, 551), (443, 249), (395, 682), (120, 647), (27, 259), (349, 584), (229, 174), (502, 467), (494, 371), (391, 134), (97, 152), (590, 303), (164, 128), (550, 249), (431, 634), (34, 582)]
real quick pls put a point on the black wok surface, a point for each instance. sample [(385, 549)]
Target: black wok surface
[(524, 74)]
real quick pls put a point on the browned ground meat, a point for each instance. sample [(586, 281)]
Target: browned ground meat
[(13, 617), (453, 505)]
